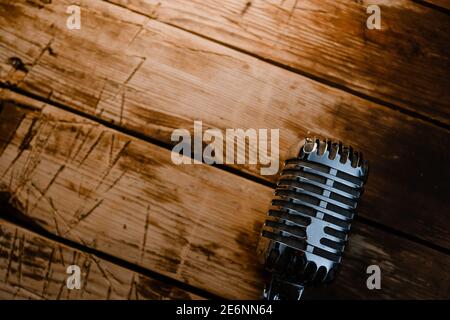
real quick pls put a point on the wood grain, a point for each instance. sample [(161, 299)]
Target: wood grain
[(194, 223), (406, 63), (33, 267), (151, 78), (445, 4)]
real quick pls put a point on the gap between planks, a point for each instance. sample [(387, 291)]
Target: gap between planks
[(439, 5)]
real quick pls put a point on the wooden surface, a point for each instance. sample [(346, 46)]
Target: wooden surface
[(130, 201), (33, 267), (165, 79), (86, 122), (406, 63)]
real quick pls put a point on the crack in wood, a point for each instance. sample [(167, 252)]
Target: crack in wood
[(10, 257), (144, 240), (47, 273)]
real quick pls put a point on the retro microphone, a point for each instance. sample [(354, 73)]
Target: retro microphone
[(315, 201)]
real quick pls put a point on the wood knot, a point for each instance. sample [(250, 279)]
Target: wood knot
[(17, 64)]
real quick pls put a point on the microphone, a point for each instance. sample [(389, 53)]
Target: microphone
[(303, 238)]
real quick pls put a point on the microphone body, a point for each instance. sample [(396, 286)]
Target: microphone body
[(315, 202)]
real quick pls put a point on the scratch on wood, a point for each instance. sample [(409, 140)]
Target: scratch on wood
[(112, 148), (27, 202), (196, 50), (72, 145), (100, 96), (278, 6), (135, 69), (122, 106), (19, 268), (83, 141), (135, 35), (132, 283), (44, 192), (11, 180), (144, 241), (136, 295), (116, 181), (92, 147), (293, 9), (54, 212), (82, 216), (10, 258), (23, 145), (86, 266), (114, 162), (35, 62), (187, 247), (85, 215), (121, 152), (26, 175), (108, 293), (247, 6), (33, 159), (47, 273), (29, 292), (80, 185), (63, 285), (103, 272), (61, 255), (237, 23), (46, 48), (74, 257)]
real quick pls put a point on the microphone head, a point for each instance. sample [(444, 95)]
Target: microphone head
[(315, 201)]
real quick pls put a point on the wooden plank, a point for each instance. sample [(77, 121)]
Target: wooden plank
[(152, 78), (406, 63), (34, 267), (194, 223)]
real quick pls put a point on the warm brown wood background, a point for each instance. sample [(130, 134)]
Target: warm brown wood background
[(86, 117)]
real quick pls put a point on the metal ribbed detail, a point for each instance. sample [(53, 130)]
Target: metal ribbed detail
[(311, 214)]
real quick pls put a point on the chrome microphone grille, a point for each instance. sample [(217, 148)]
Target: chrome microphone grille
[(315, 201)]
